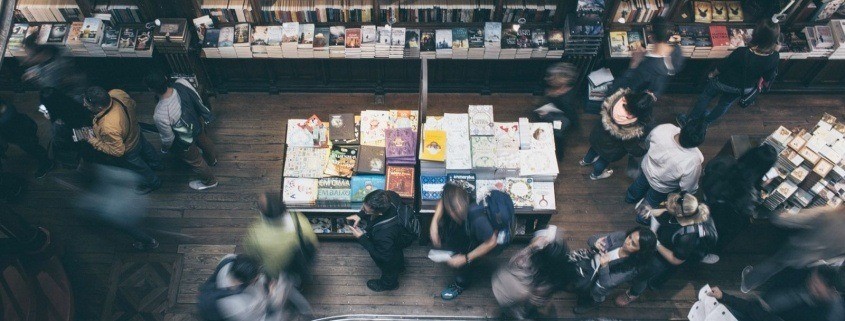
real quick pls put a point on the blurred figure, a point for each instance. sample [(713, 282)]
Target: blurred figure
[(181, 117), (559, 109), (110, 199), (382, 237), (816, 296), (48, 68), (533, 275), (731, 187), (20, 130), (117, 134), (816, 236), (65, 114), (649, 71), (624, 116)]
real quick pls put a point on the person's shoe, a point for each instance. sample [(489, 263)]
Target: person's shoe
[(44, 169), (625, 299), (710, 259), (682, 120), (583, 163), (744, 287), (607, 173), (451, 292), (146, 189), (198, 185), (141, 246), (584, 308), (377, 286)]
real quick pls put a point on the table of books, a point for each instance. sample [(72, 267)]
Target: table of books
[(330, 166)]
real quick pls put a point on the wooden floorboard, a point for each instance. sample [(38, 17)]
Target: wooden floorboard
[(202, 227)]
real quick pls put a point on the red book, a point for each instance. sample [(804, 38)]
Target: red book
[(401, 180), (719, 36)]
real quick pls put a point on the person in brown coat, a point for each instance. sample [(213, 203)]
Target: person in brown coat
[(116, 133)]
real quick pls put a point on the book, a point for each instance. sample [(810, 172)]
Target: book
[(321, 225), (82, 134), (520, 191), (342, 127), (370, 160), (492, 35), (542, 136), (465, 181), (306, 162), (484, 186), (735, 13), (337, 36), (297, 190), (353, 38), (427, 41), (242, 35), (202, 24), (507, 136), (373, 125), (619, 43), (460, 38), (403, 119), (334, 189), (543, 195), (483, 152), (227, 37), (143, 41), (540, 163), (444, 39), (481, 120), (212, 37), (458, 154), (703, 11), (431, 186), (342, 226), (635, 41), (719, 36), (524, 133), (321, 38), (342, 161), (59, 31), (400, 179), (400, 143), (434, 146), (720, 11), (509, 39), (555, 40), (739, 37), (475, 37), (364, 184), (127, 40)]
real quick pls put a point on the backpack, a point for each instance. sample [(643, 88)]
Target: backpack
[(209, 294), (706, 233), (408, 219), (498, 208)]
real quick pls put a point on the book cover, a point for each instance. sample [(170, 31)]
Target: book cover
[(434, 146), (91, 30), (737, 37), (242, 35), (227, 37), (475, 36), (523, 39), (337, 36), (342, 127), (702, 36), (299, 190), (397, 37), (427, 41), (143, 41), (353, 38), (373, 124), (298, 134), (509, 39), (44, 33), (687, 34), (59, 31), (481, 120), (824, 37), (483, 151), (542, 136), (202, 25), (403, 118), (334, 189), (364, 184), (342, 160), (703, 11), (306, 162), (400, 179), (720, 11), (619, 43), (383, 36), (458, 154), (735, 13), (212, 37), (507, 159), (538, 38), (368, 34), (321, 37), (719, 36), (555, 39), (127, 39), (306, 34), (111, 35), (466, 181), (260, 37), (290, 32), (520, 190), (371, 160), (400, 143), (540, 162), (493, 35), (460, 38), (543, 196), (321, 225), (431, 186), (444, 38), (635, 41), (74, 35), (412, 38), (484, 186), (507, 135)]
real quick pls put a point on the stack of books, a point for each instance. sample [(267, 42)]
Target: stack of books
[(475, 35), (290, 40), (92, 36), (820, 39), (353, 43), (532, 11), (524, 46), (260, 37), (397, 43), (321, 42), (383, 44), (74, 40), (225, 11), (242, 40), (122, 11), (337, 41), (48, 11), (636, 11), (305, 48), (460, 43), (127, 41), (492, 40), (209, 43), (412, 43), (309, 11), (721, 41), (144, 43), (837, 26), (369, 38), (443, 38), (584, 30), (555, 41), (172, 36)]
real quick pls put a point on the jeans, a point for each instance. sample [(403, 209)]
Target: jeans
[(141, 160), (599, 165), (727, 96), (640, 188)]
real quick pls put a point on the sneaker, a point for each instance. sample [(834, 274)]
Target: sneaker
[(141, 246), (743, 285), (583, 163), (605, 174), (198, 185), (43, 170), (625, 299), (710, 259), (377, 286), (146, 189), (451, 292), (682, 120)]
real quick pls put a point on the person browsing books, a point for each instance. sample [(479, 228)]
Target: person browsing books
[(650, 70), (560, 80), (65, 114), (181, 118), (381, 237)]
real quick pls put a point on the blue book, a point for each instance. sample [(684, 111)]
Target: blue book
[(364, 184), (432, 186), (467, 181)]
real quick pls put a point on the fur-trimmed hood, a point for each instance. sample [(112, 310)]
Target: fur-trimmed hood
[(623, 132)]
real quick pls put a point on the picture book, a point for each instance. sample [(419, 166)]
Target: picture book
[(299, 190), (466, 181), (481, 120), (370, 160), (342, 127), (523, 39), (364, 184), (703, 11), (460, 38), (720, 11), (227, 37), (434, 146), (543, 195), (635, 41), (493, 35), (483, 151), (404, 119), (321, 38), (342, 161), (542, 136), (520, 190), (337, 36), (443, 38), (507, 135), (334, 189), (431, 186), (306, 162), (400, 179), (373, 124), (290, 32), (719, 36), (484, 186), (353, 38), (400, 143)]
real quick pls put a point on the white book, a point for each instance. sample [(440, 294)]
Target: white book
[(543, 195), (481, 120)]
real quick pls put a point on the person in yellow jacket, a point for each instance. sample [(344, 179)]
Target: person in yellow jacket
[(116, 133)]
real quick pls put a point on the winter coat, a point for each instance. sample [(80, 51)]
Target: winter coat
[(116, 129), (612, 141), (614, 273), (382, 234)]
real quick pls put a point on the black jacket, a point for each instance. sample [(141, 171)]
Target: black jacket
[(651, 74), (613, 141), (381, 237), (63, 107), (15, 127)]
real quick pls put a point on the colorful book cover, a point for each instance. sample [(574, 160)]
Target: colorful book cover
[(520, 191), (342, 161), (703, 11), (227, 37), (373, 124), (720, 11), (719, 36), (400, 142), (334, 189), (444, 38), (321, 225), (404, 118), (242, 33), (635, 41), (509, 39), (619, 43), (427, 41), (555, 39), (412, 39), (460, 38), (483, 151), (475, 36), (143, 41), (493, 35), (342, 127), (735, 11), (400, 179), (523, 39), (212, 38), (737, 37), (290, 32), (466, 181), (434, 146), (507, 135), (306, 162), (431, 186), (484, 186), (353, 38), (538, 38), (371, 160), (364, 184), (337, 36), (543, 195), (299, 190), (481, 120), (321, 37)]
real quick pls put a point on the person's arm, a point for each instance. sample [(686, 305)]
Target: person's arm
[(668, 255), (165, 130), (378, 247), (109, 141), (480, 251), (433, 229), (607, 281)]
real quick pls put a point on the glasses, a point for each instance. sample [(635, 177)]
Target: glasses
[(680, 202)]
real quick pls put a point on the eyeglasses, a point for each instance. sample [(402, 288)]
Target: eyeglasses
[(680, 202)]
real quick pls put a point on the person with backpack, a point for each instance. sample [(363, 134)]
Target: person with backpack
[(181, 117), (470, 230), (686, 234), (237, 291), (384, 236)]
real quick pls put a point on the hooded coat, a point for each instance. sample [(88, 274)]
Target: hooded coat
[(611, 140)]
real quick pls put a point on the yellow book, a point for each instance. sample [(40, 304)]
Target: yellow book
[(434, 146)]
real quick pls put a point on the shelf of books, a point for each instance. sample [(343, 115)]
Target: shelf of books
[(810, 168), (330, 166), (475, 151)]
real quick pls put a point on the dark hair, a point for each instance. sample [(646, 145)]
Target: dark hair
[(455, 201), (245, 268), (693, 133), (553, 266), (31, 43), (639, 104), (752, 165), (648, 244), (271, 207), (662, 31), (378, 201), (765, 36), (97, 96), (157, 82)]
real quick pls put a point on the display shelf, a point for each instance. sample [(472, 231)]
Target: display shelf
[(429, 209)]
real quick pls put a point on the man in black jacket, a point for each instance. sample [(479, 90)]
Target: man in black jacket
[(381, 237)]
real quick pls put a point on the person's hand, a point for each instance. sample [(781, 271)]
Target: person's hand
[(604, 258), (457, 261), (715, 292), (601, 244), (357, 232), (355, 219)]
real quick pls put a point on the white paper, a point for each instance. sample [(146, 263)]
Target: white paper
[(720, 313), (601, 76), (696, 313), (708, 302), (440, 256), (548, 108)]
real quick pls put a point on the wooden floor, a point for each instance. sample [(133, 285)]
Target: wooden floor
[(112, 282)]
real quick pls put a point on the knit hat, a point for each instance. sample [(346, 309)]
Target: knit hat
[(686, 209)]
